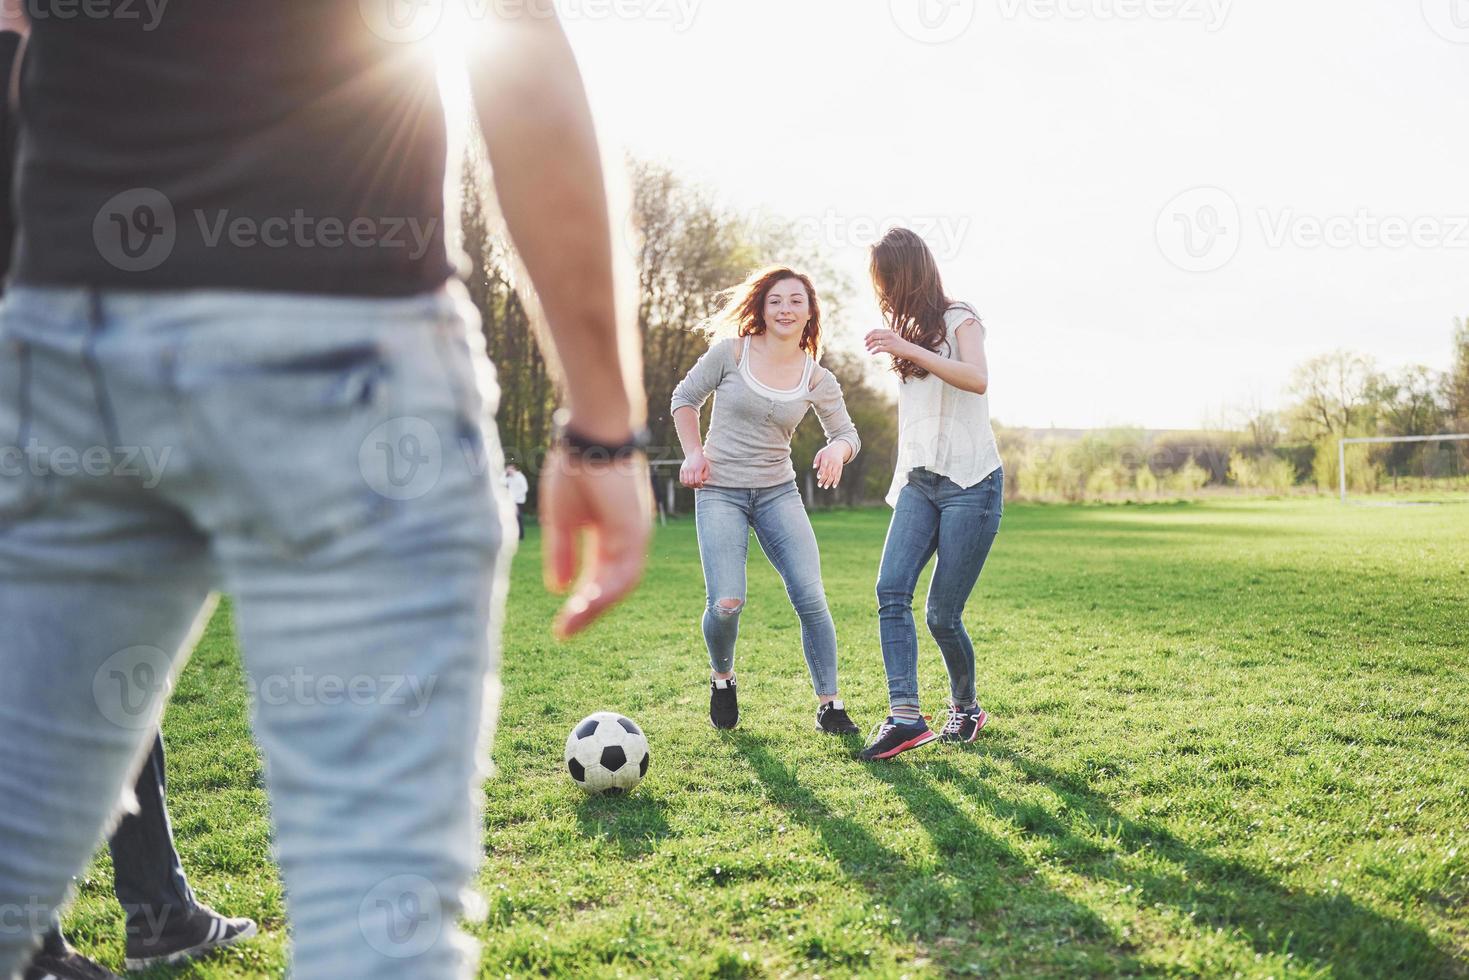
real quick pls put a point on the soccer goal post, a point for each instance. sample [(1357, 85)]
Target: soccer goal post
[(1341, 449)]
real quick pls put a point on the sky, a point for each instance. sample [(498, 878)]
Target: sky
[(1158, 206)]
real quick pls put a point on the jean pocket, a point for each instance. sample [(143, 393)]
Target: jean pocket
[(22, 490), (286, 434)]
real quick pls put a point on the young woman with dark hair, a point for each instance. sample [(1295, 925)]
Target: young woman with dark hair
[(764, 381), (947, 493)]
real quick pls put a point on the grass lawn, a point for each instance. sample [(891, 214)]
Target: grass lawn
[(1228, 739)]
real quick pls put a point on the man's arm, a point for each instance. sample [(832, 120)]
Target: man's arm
[(538, 131)]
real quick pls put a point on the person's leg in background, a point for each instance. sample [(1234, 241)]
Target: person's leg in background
[(969, 520), (784, 530), (911, 540), (166, 922), (722, 520)]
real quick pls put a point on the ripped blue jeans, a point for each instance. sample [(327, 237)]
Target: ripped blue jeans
[(724, 518)]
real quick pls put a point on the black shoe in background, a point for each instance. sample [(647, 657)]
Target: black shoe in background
[(69, 965), (894, 739), (833, 719), (183, 936), (724, 705)]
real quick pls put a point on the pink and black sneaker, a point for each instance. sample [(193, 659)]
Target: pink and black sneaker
[(893, 739), (964, 724)]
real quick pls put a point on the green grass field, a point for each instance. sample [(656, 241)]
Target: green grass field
[(1228, 739)]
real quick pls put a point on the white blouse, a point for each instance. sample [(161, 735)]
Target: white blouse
[(941, 428)]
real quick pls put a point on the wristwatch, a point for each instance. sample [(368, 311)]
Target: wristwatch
[(592, 450)]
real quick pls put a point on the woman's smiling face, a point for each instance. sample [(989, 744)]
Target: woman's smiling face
[(787, 309)]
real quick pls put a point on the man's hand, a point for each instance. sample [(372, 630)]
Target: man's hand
[(694, 472), (605, 509), (828, 464)]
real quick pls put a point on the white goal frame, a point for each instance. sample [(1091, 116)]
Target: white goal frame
[(1341, 449)]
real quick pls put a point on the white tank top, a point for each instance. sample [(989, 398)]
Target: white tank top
[(941, 428)]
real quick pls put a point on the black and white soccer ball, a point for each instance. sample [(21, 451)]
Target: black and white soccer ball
[(607, 754)]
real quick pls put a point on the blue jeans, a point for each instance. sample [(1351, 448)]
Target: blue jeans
[(724, 517), (934, 514), (330, 462)]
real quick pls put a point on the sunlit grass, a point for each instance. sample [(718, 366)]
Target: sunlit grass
[(1229, 738)]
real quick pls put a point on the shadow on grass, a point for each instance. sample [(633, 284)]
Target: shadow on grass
[(633, 824), (968, 917), (1331, 933)]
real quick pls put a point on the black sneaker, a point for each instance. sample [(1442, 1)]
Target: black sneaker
[(832, 718), (893, 738), (724, 705), (964, 726), (182, 937), (69, 965)]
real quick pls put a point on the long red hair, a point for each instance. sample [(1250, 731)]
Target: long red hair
[(910, 292), (744, 305)]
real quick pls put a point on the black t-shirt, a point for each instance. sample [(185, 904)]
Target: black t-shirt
[(239, 144), (9, 48)]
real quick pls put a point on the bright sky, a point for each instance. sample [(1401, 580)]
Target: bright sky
[(1041, 147)]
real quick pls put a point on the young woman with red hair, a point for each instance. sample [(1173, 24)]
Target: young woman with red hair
[(948, 489), (764, 380)]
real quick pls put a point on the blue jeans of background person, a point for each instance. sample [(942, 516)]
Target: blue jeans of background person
[(724, 518), (934, 514), (328, 461)]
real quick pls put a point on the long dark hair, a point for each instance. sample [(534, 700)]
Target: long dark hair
[(744, 306), (910, 292)]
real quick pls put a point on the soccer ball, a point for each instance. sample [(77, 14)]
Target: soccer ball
[(607, 754)]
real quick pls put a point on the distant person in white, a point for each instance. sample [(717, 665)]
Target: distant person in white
[(516, 483)]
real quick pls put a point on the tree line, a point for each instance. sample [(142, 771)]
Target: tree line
[(687, 247)]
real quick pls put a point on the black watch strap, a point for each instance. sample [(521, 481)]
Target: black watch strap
[(594, 450)]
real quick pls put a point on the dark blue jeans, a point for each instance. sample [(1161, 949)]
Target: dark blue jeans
[(935, 515), (147, 875)]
